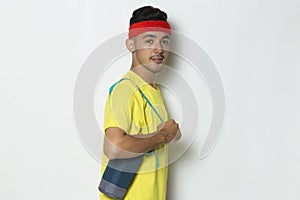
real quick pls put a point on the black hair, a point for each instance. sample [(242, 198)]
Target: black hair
[(147, 13)]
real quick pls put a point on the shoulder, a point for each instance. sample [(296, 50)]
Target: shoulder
[(122, 87), (124, 90)]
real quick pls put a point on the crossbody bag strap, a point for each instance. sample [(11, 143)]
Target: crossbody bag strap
[(150, 104), (143, 95)]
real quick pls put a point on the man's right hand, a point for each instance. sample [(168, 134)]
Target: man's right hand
[(170, 131)]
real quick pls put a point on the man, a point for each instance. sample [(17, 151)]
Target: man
[(136, 120)]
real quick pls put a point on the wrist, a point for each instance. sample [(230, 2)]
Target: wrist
[(160, 138)]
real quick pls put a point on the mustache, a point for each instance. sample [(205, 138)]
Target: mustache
[(158, 56)]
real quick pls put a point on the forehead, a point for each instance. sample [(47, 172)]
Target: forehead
[(153, 34)]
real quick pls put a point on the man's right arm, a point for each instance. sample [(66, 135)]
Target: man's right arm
[(118, 144)]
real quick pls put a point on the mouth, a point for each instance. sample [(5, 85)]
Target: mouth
[(158, 59)]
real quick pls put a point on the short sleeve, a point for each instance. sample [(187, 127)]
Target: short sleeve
[(119, 105)]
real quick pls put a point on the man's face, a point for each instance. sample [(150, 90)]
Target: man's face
[(151, 50)]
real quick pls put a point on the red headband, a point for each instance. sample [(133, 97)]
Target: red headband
[(151, 25)]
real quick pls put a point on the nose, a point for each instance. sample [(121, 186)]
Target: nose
[(158, 47)]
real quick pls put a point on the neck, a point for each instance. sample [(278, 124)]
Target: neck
[(145, 74)]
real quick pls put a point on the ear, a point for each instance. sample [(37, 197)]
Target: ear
[(130, 45)]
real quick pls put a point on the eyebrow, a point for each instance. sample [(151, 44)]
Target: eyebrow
[(154, 36), (149, 35)]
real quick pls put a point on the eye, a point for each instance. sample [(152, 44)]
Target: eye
[(149, 41), (166, 42)]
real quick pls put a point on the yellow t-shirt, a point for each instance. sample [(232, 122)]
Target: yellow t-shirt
[(127, 109)]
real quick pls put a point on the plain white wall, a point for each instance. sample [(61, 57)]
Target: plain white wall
[(254, 45)]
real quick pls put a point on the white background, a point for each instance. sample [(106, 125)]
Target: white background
[(254, 45)]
